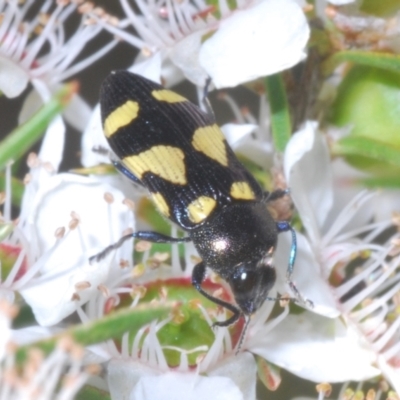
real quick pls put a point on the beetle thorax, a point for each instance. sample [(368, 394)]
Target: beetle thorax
[(238, 233)]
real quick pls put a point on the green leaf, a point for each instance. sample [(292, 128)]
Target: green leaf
[(23, 137), (92, 393), (111, 326), (370, 150), (380, 8), (259, 173), (17, 189), (148, 212), (368, 103), (388, 182), (386, 61), (280, 117), (192, 331)]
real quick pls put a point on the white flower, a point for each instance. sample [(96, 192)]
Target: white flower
[(365, 336), (234, 379), (263, 39), (254, 40), (35, 48), (24, 37), (72, 219), (250, 136), (58, 376)]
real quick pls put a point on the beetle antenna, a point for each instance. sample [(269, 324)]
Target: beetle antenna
[(243, 334), (103, 254)]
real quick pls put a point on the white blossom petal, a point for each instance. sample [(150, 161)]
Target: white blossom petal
[(133, 380), (317, 348), (150, 67), (5, 324), (13, 78), (242, 369), (266, 38), (31, 334), (340, 2), (77, 113), (171, 74), (237, 134), (31, 104), (52, 148), (256, 150), (49, 159), (93, 138), (390, 372), (188, 386), (185, 55), (306, 275), (66, 278), (308, 173)]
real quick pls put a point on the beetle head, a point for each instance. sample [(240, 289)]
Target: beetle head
[(250, 283)]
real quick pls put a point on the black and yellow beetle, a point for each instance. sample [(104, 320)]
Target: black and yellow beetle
[(175, 150)]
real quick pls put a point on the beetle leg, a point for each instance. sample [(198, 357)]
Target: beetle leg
[(205, 102), (276, 194), (198, 276), (284, 226), (149, 236), (125, 171)]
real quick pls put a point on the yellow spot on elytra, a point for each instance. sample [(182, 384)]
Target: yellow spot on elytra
[(121, 117), (164, 161), (242, 191), (201, 208), (161, 204), (167, 96), (210, 141)]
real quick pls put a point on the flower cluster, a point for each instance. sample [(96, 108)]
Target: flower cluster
[(315, 113)]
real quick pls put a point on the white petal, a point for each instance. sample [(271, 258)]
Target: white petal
[(50, 155), (186, 386), (309, 176), (77, 113), (31, 334), (242, 370), (236, 134), (316, 348), (124, 375), (150, 67), (42, 88), (340, 2), (306, 274), (171, 74), (13, 79), (264, 39), (64, 263), (5, 323), (391, 372), (185, 55), (132, 380), (31, 104), (93, 138), (239, 138), (52, 148)]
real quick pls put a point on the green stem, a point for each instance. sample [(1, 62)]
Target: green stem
[(23, 137), (280, 117)]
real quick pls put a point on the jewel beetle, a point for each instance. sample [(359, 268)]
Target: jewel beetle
[(178, 153)]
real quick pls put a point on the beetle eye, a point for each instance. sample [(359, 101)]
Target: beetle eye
[(244, 280)]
